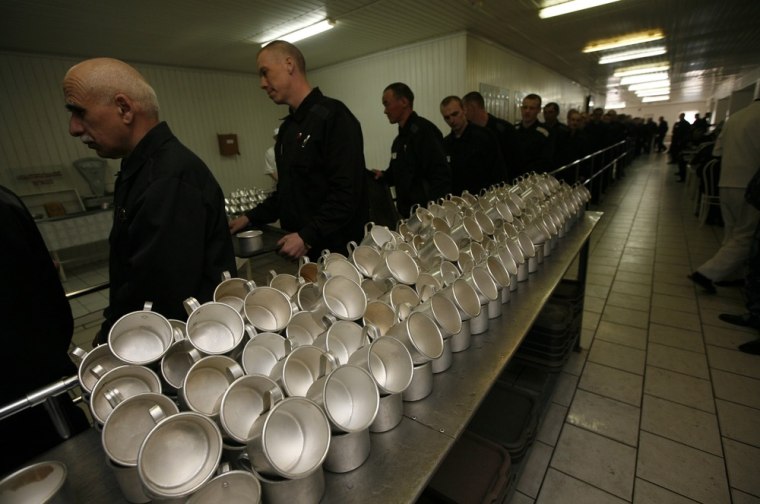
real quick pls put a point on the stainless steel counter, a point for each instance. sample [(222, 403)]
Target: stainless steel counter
[(401, 460)]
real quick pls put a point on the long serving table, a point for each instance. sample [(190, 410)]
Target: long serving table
[(402, 460)]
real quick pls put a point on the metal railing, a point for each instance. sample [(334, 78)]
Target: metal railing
[(589, 169)]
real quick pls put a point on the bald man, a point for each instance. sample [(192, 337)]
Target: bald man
[(169, 239), (321, 196)]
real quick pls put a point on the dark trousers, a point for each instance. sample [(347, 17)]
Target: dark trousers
[(753, 276)]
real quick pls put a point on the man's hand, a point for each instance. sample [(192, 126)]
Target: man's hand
[(292, 246), (378, 174), (238, 224)]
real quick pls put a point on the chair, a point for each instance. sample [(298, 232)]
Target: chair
[(709, 196)]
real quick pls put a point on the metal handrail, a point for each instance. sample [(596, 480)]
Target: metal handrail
[(87, 290), (587, 157)]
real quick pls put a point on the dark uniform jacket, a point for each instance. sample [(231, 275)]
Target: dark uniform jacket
[(505, 135), (36, 328), (533, 149), (418, 166), (322, 186), (475, 159), (170, 238)]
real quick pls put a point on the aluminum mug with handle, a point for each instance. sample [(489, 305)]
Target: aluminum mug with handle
[(232, 291), (214, 328), (141, 337)]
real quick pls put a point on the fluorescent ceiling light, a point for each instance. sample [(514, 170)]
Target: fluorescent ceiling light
[(630, 55), (624, 40), (638, 79), (571, 6), (305, 32), (615, 105), (649, 99), (649, 85), (641, 69), (653, 92)]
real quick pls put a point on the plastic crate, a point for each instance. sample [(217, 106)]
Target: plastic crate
[(476, 471)]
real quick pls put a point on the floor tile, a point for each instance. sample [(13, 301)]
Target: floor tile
[(675, 337), (738, 422), (613, 383), (559, 487), (710, 317), (626, 316), (534, 469), (597, 279), (675, 318), (637, 259), (742, 461), (740, 497), (736, 388), (632, 277), (677, 267), (645, 492), (599, 291), (673, 289), (734, 361), (564, 389), (606, 261), (672, 277), (628, 301), (675, 303), (622, 334), (608, 464), (675, 359), (590, 320), (636, 289), (725, 337), (575, 362), (618, 356), (722, 304), (668, 259), (601, 269), (686, 425), (551, 425), (645, 269), (605, 416), (682, 469), (679, 388), (520, 498), (593, 304)]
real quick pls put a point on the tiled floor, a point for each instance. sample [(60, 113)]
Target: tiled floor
[(660, 407)]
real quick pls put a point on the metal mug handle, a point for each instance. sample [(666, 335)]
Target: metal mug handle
[(233, 372), (148, 306), (113, 396), (98, 371), (226, 275), (157, 413), (77, 354), (191, 304)]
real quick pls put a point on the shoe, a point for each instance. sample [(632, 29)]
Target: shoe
[(739, 282), (704, 282), (743, 320), (751, 347)]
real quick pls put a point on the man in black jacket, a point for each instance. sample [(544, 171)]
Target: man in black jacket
[(475, 111), (169, 239), (321, 197), (418, 166)]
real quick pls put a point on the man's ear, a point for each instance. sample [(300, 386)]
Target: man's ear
[(126, 110)]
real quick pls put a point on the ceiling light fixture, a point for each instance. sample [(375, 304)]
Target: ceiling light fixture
[(305, 32), (624, 40), (571, 6), (630, 55), (649, 85), (649, 99), (615, 105), (653, 92), (638, 79), (641, 69)]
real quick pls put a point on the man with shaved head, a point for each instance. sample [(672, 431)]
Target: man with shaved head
[(321, 197), (169, 239)]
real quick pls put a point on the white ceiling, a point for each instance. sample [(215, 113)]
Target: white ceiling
[(708, 41)]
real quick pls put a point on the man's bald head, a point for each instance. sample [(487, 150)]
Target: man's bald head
[(286, 50)]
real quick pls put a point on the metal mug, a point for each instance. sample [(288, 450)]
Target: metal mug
[(141, 337), (398, 265), (466, 231), (421, 336), (444, 312), (262, 352), (374, 289), (40, 482), (439, 246), (341, 339), (206, 383), (303, 329), (244, 401), (290, 440), (348, 450), (349, 397), (214, 328), (364, 257), (129, 424), (284, 282), (307, 269), (339, 266), (232, 291), (380, 315), (376, 236), (118, 385), (268, 309), (342, 299), (304, 365), (128, 479), (422, 383), (229, 487), (389, 363), (94, 364), (179, 455), (177, 361), (401, 294), (445, 272)]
